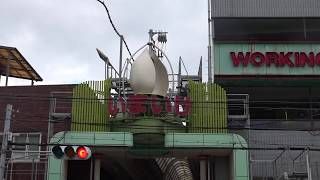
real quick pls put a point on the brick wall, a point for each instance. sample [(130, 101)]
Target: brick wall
[(31, 112)]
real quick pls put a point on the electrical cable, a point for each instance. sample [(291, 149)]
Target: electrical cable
[(35, 98), (115, 29), (11, 96), (20, 116), (21, 95), (285, 147), (253, 126)]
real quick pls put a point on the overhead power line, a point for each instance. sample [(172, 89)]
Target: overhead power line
[(10, 96), (114, 27), (232, 146), (256, 127)]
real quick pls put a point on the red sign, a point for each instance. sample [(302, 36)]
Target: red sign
[(278, 59), (137, 104)]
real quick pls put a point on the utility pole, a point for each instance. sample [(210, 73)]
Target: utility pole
[(5, 139), (210, 45)]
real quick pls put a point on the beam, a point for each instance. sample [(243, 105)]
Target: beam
[(7, 69), (19, 62)]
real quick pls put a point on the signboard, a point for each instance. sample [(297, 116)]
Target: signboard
[(267, 59), (136, 104)]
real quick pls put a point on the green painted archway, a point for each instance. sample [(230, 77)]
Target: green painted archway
[(235, 143)]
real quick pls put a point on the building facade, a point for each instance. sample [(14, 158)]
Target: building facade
[(266, 55), (131, 136), (265, 61), (34, 110)]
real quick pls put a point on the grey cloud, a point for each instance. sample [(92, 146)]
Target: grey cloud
[(60, 36)]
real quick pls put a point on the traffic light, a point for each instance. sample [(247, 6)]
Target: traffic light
[(71, 152)]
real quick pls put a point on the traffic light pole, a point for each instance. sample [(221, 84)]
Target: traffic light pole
[(97, 164), (5, 137)]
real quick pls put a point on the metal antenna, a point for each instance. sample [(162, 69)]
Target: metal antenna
[(161, 38)]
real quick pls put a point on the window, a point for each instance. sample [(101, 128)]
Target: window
[(238, 105), (26, 153), (267, 29)]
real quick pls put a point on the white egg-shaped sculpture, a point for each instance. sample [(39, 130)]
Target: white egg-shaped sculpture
[(148, 75)]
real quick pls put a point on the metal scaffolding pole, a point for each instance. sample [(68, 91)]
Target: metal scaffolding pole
[(120, 64), (308, 166), (5, 138), (210, 45), (7, 69)]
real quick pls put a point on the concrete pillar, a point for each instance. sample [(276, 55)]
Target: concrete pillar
[(203, 169), (222, 168), (65, 169), (208, 169), (97, 166)]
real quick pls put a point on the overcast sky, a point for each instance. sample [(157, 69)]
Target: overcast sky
[(59, 37)]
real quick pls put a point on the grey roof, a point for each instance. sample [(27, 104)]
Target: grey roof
[(265, 8)]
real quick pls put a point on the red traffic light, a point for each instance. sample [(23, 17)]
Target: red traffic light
[(71, 152), (82, 152)]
